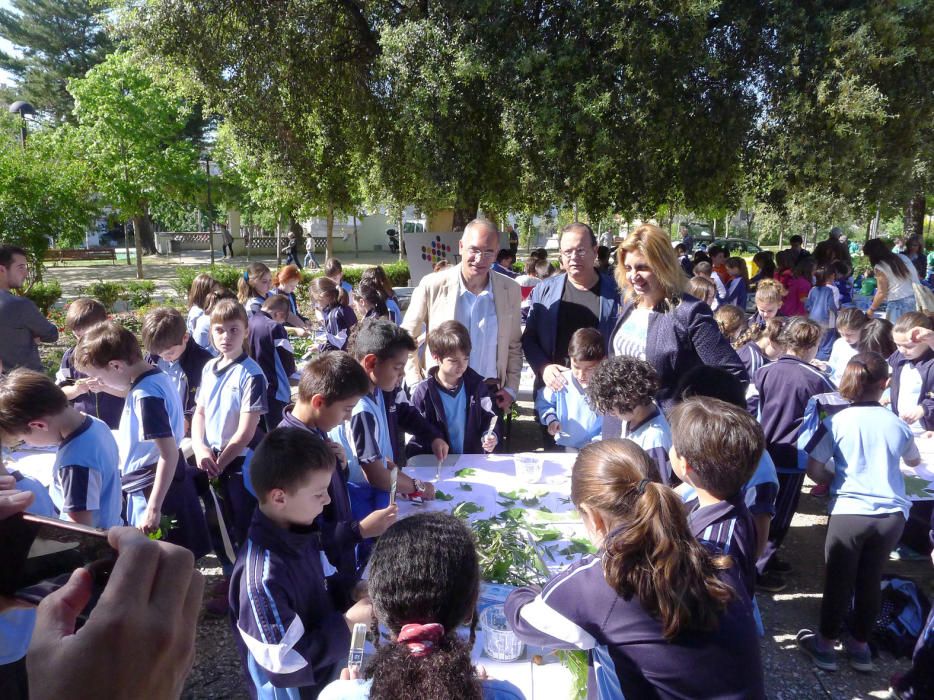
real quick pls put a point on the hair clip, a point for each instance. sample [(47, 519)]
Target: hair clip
[(640, 487)]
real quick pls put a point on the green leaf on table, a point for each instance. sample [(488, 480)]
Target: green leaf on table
[(467, 471), (511, 495), (442, 496), (506, 504), (917, 487), (513, 514), (465, 487), (530, 501), (578, 546), (546, 516), (465, 509)]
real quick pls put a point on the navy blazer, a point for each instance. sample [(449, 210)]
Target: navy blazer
[(541, 327), (925, 366), (681, 339)]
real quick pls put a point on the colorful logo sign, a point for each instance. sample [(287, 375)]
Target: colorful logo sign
[(435, 251)]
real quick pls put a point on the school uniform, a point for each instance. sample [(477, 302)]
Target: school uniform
[(254, 303), (395, 311), (628, 655), (913, 385), (102, 405), (293, 302), (461, 416), (194, 313), (153, 410), (202, 334), (291, 638), (840, 354), (226, 392), (737, 293), (16, 624), (653, 435), (822, 304), (185, 372), (570, 408), (868, 509), (85, 476), (272, 351), (753, 360), (339, 319), (727, 527), (759, 493), (785, 387)]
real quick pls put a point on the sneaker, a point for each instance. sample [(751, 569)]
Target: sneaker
[(906, 553), (807, 643), (820, 490), (220, 588), (778, 565), (771, 582), (860, 660)]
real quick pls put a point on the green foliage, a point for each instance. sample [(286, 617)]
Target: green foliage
[(44, 295), (227, 275), (107, 293), (138, 294), (398, 273)]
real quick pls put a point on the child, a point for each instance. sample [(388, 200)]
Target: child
[(822, 308), (623, 389), (764, 261), (381, 347), (650, 607), (850, 322), (85, 484), (797, 282), (272, 351), (757, 347), (285, 283), (172, 349), (337, 318), (718, 266), (842, 282), (253, 287), (731, 320), (371, 299), (716, 448), (201, 287), (876, 336), (86, 394), (912, 388), (527, 282), (423, 606), (703, 288), (330, 387), (567, 413), (378, 275), (868, 509), (202, 333), (334, 271), (454, 399), (230, 402), (152, 426), (738, 290), (785, 387), (291, 638), (769, 296)]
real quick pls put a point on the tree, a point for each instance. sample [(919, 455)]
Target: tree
[(58, 40), (131, 127)]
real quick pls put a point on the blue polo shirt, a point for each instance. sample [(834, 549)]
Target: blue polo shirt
[(225, 393), (153, 410), (455, 415), (654, 436), (86, 477), (572, 410)]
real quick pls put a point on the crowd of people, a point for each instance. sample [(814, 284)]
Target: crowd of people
[(694, 424)]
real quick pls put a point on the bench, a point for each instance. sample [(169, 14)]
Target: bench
[(62, 255)]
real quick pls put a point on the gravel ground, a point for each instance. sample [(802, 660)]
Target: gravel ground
[(788, 674)]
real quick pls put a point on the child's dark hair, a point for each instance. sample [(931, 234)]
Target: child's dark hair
[(864, 377), (201, 286), (622, 384), (800, 334), (823, 275), (716, 250), (423, 570), (285, 458), (254, 272), (83, 313), (587, 345), (215, 296), (25, 396), (447, 339), (720, 441), (335, 376), (650, 552), (876, 336), (277, 303), (712, 382), (912, 319), (371, 291), (104, 343), (163, 328), (378, 274), (765, 261), (324, 291), (851, 319), (732, 322), (381, 337)]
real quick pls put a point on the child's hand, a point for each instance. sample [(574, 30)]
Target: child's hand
[(205, 461), (361, 611), (554, 428), (552, 377), (151, 518), (489, 442), (91, 384), (377, 522), (440, 449), (82, 386), (338, 450), (921, 335), (914, 415)]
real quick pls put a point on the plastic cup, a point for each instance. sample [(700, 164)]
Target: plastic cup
[(499, 642), (528, 467)]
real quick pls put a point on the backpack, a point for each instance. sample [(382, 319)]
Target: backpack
[(902, 616), (818, 408)]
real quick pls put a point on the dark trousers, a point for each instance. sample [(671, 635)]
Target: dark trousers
[(918, 681), (826, 344), (273, 415), (856, 549), (228, 250), (13, 684), (786, 503), (239, 503)]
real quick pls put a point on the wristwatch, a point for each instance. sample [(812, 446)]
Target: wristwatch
[(419, 485)]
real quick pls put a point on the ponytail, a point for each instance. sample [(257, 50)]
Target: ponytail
[(245, 283), (650, 553), (864, 377)]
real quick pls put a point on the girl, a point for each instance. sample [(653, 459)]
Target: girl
[(894, 276), (371, 299), (822, 305), (424, 583), (253, 287), (228, 408), (757, 347), (850, 322), (202, 331), (334, 271), (876, 336), (764, 260), (650, 607), (201, 286), (769, 297), (797, 283), (738, 290), (785, 387), (337, 318), (868, 509), (912, 374), (704, 289), (732, 322), (378, 274), (285, 283), (914, 251)]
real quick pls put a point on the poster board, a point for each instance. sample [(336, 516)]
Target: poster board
[(424, 250)]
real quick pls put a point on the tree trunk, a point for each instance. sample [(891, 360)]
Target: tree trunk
[(356, 244), (142, 226), (330, 239), (464, 213), (914, 215), (278, 244), (138, 228)]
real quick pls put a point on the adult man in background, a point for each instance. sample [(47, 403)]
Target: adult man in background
[(21, 320)]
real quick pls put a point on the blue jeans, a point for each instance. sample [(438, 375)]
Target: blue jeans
[(310, 258), (895, 308)]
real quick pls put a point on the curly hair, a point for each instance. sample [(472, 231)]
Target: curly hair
[(732, 322), (425, 569), (622, 384)]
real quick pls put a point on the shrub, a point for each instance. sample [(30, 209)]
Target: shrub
[(227, 275), (138, 293), (44, 295), (398, 273), (107, 293)]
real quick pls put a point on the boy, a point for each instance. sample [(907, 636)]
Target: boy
[(270, 347), (86, 394), (912, 398), (334, 271), (85, 484), (381, 347), (705, 269), (716, 448), (454, 399), (622, 389), (331, 385), (567, 413), (288, 632), (151, 427), (172, 349)]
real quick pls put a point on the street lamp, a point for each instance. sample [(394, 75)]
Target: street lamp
[(22, 108)]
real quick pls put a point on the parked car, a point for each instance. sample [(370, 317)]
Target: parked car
[(741, 248)]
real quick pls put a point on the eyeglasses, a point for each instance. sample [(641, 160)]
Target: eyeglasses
[(474, 253), (575, 253)]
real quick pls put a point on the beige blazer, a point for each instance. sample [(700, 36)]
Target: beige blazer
[(434, 301)]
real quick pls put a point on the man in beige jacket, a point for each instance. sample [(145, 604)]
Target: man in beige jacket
[(486, 302)]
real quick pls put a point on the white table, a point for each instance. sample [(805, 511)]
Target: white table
[(919, 481)]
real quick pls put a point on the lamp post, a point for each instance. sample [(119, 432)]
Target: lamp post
[(22, 109), (210, 226)]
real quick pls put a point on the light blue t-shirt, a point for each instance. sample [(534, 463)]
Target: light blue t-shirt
[(225, 393), (455, 416), (202, 334), (153, 409), (86, 477), (866, 442), (360, 690), (579, 424)]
